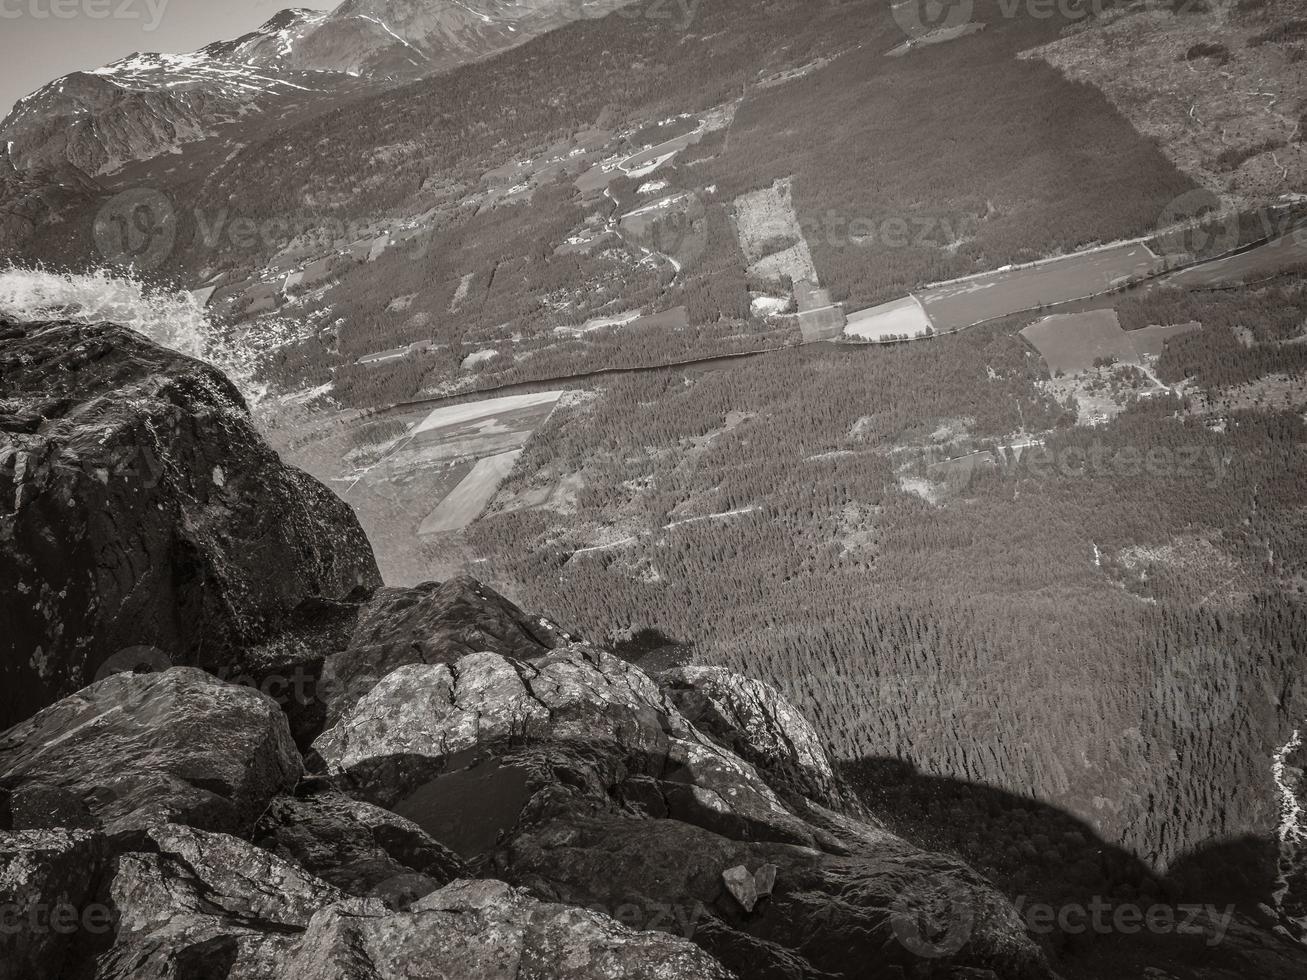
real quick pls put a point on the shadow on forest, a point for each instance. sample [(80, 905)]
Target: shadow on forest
[(1211, 907), (651, 650), (1042, 856)]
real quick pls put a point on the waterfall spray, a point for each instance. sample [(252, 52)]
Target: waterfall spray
[(173, 319)]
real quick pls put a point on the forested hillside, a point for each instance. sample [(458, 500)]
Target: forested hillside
[(476, 185), (1121, 642)]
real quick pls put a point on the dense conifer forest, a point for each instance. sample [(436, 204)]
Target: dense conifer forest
[(1121, 640)]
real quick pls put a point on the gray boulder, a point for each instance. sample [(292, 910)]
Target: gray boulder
[(433, 623), (184, 904), (135, 750), (485, 929), (754, 721), (139, 507), (361, 849), (428, 734)]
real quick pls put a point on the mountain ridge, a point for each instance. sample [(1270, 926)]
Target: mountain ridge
[(149, 103)]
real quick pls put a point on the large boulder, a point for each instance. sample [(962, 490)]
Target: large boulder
[(485, 929), (362, 849), (49, 917), (139, 507), (135, 750), (432, 623), (334, 652), (185, 904), (487, 731), (753, 720)]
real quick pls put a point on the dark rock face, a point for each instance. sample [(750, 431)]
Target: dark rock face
[(848, 915), (136, 750), (753, 720), (361, 849), (184, 904), (138, 507), (48, 878), (579, 709), (435, 623)]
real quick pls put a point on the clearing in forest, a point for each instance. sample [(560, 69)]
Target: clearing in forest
[(903, 318), (1075, 342), (770, 235)]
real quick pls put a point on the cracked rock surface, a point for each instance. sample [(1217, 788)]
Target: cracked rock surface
[(139, 507), (134, 750), (588, 786), (362, 849), (434, 623), (753, 720), (579, 709)]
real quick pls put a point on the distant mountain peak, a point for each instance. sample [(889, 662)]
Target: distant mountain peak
[(150, 103)]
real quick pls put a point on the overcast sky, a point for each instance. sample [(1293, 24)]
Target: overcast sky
[(36, 46)]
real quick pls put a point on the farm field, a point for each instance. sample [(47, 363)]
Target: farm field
[(1151, 341), (954, 305), (419, 473), (466, 501), (1071, 343), (901, 318), (480, 426), (639, 162), (1259, 263)]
